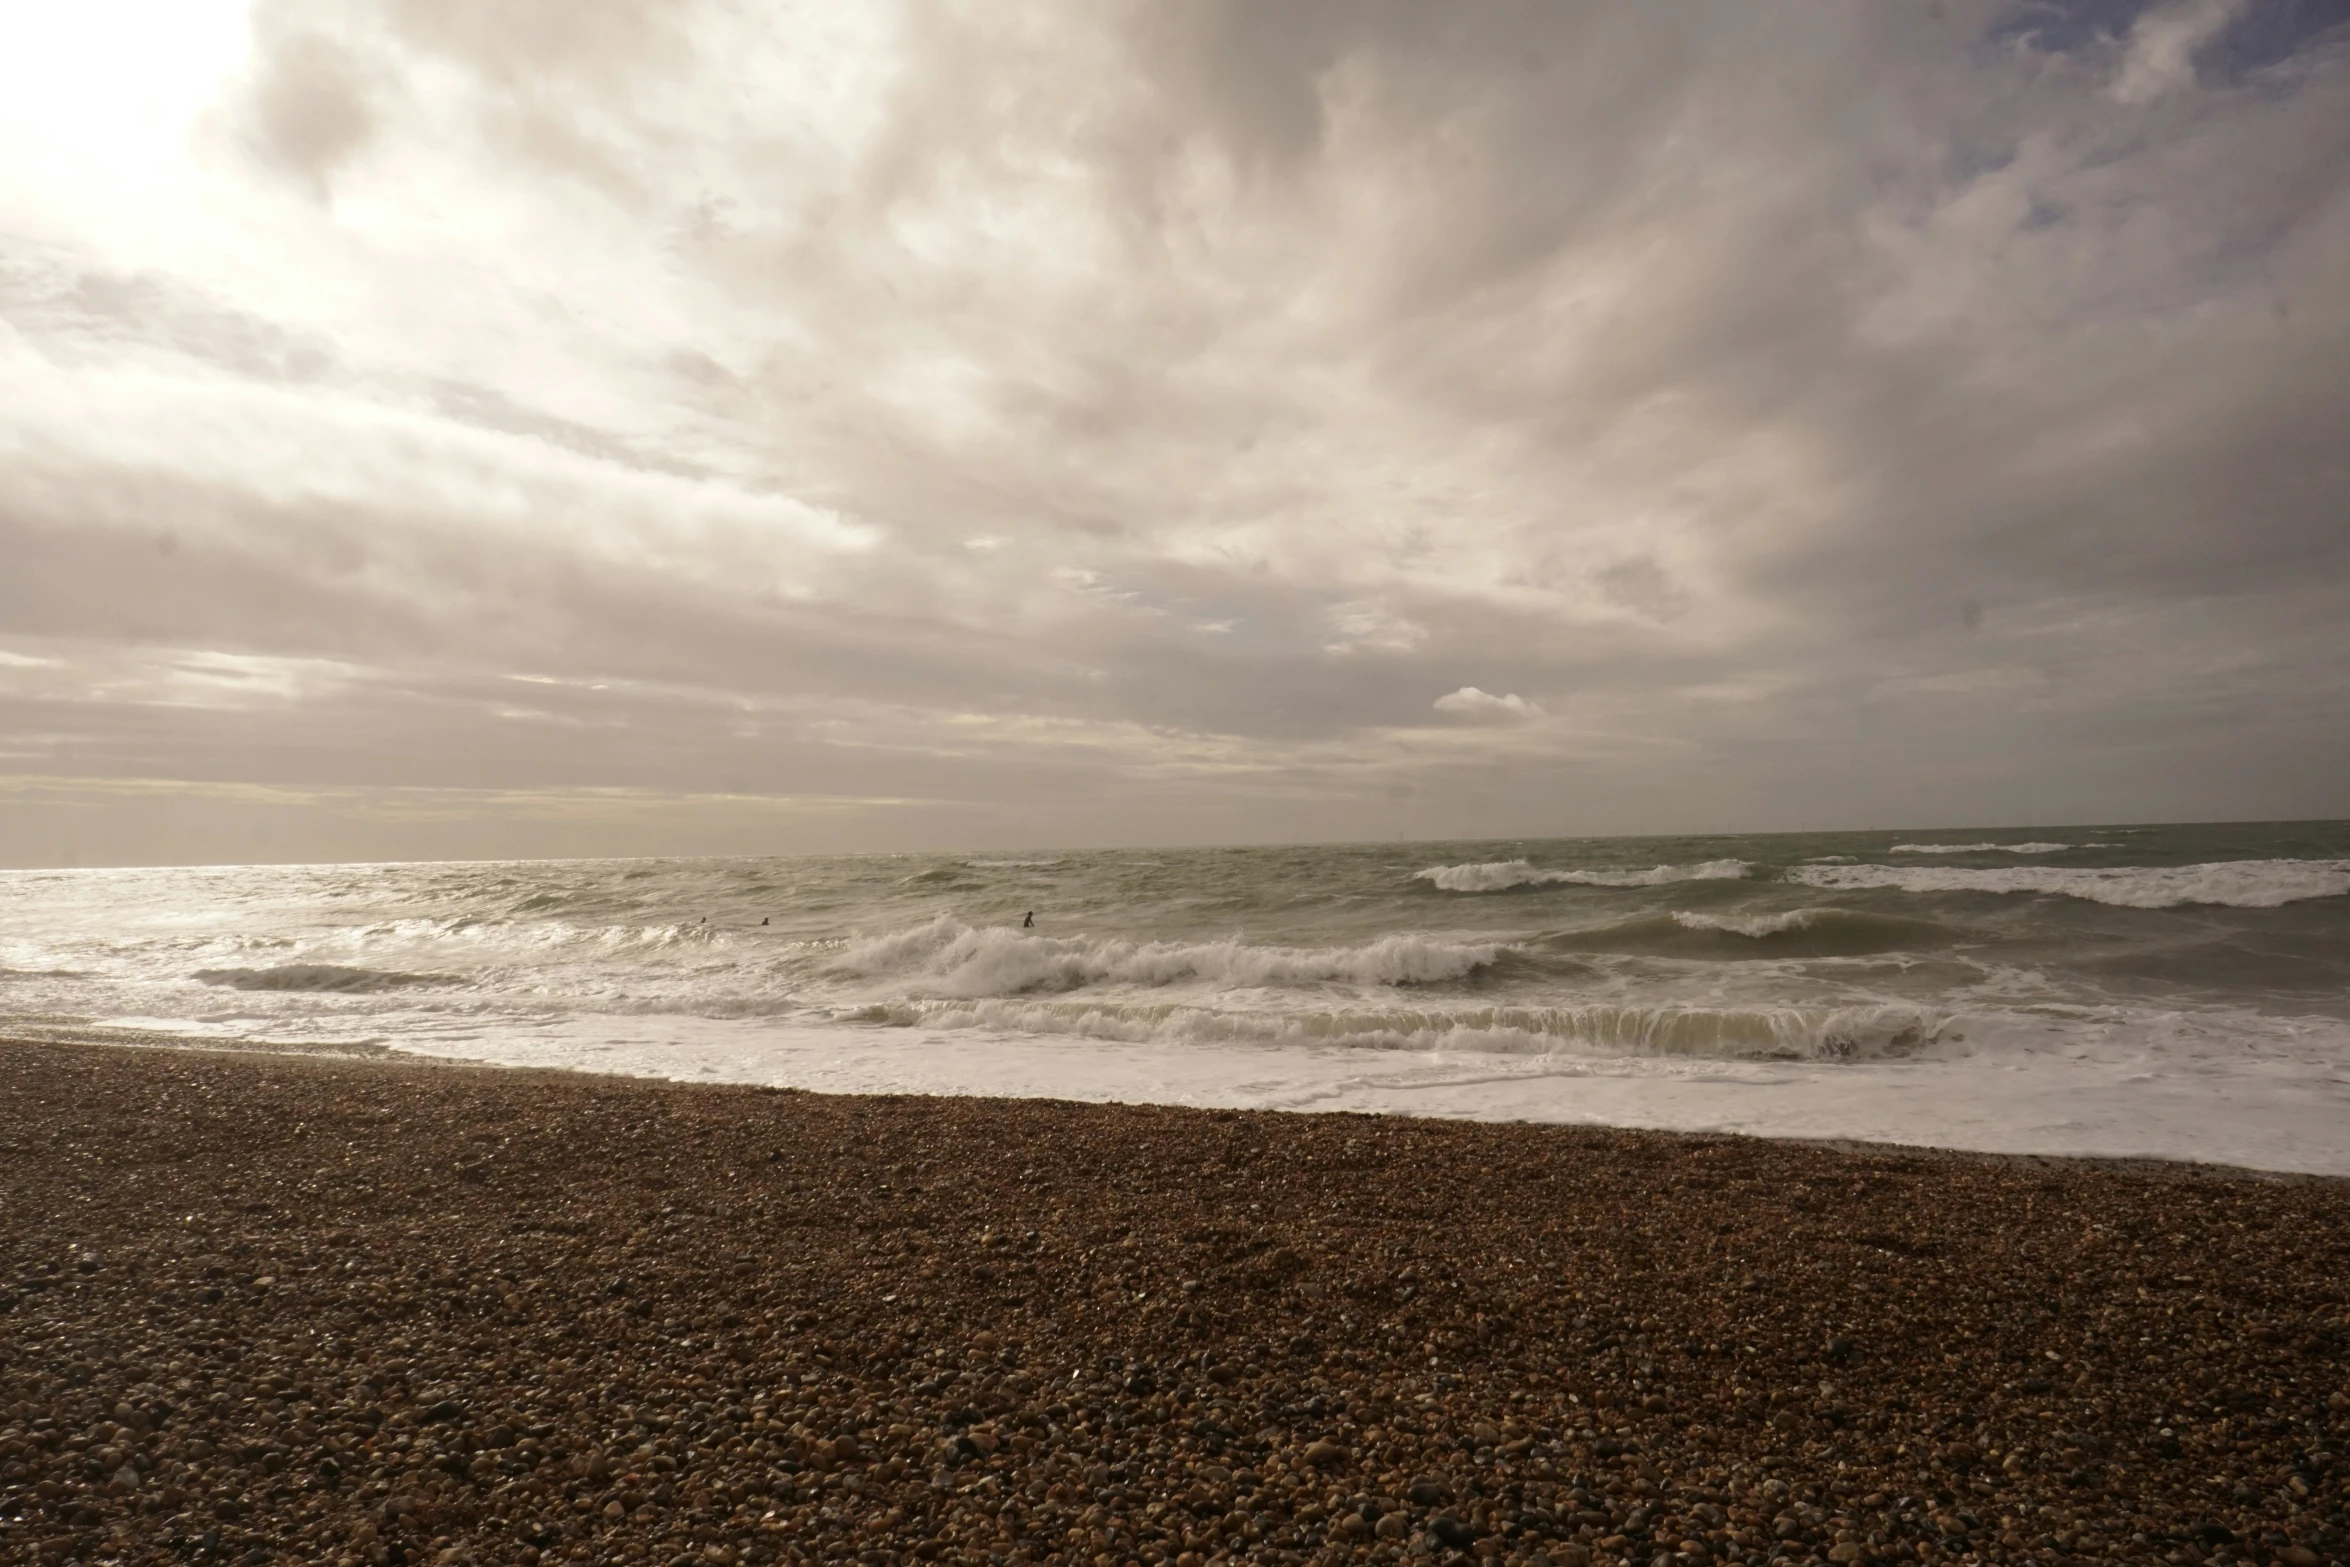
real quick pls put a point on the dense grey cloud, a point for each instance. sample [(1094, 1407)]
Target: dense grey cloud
[(646, 425)]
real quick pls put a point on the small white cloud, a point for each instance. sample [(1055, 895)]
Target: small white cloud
[(2163, 44), (985, 544), (1485, 707)]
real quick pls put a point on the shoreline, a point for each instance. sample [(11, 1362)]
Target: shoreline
[(891, 1063), (368, 1309)]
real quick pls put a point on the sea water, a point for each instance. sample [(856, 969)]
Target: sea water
[(2179, 992)]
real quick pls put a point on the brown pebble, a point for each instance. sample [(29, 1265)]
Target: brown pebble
[(527, 1317)]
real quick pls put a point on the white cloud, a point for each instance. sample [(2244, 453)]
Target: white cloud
[(1484, 707), (1202, 382), (2161, 54)]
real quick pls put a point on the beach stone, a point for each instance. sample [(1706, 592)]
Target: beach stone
[(711, 1403), (1451, 1533)]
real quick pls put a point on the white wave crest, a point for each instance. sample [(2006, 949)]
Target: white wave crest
[(1979, 848), (1748, 924), (949, 958), (1867, 1032), (1499, 875), (2241, 884)]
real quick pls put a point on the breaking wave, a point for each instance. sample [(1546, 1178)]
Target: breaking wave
[(319, 977), (1979, 848), (1755, 925), (550, 934), (1500, 875), (953, 876), (1855, 1033), (2241, 884), (1823, 932), (949, 958)]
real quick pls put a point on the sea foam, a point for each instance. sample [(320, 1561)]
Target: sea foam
[(1788, 1033), (1500, 875), (2241, 884)]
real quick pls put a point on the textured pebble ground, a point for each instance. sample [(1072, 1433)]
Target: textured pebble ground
[(266, 1309)]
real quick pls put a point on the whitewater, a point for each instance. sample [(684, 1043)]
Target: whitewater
[(2172, 992)]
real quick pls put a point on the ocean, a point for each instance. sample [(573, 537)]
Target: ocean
[(2164, 991)]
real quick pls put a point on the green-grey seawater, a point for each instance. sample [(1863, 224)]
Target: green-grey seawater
[(2204, 954)]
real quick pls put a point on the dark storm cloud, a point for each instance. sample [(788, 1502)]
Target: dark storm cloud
[(1562, 417)]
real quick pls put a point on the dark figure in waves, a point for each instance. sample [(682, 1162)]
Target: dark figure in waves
[(1028, 920)]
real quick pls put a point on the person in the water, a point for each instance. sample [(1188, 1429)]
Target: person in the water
[(1028, 920)]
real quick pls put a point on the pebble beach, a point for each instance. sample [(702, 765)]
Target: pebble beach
[(357, 1310)]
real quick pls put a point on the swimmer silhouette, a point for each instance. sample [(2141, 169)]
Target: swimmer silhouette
[(1030, 920), (762, 919)]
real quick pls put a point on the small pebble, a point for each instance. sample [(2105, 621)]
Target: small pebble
[(730, 1327)]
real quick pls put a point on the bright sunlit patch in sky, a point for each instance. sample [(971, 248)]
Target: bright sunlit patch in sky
[(108, 89)]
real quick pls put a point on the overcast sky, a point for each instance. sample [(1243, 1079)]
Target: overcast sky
[(479, 427)]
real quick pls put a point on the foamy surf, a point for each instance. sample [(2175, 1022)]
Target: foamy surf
[(1856, 1033), (2122, 1087)]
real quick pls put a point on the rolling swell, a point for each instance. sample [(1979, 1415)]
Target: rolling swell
[(948, 957), (1502, 875), (1855, 1033), (1979, 848), (333, 977), (1787, 933), (2240, 884), (947, 877)]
